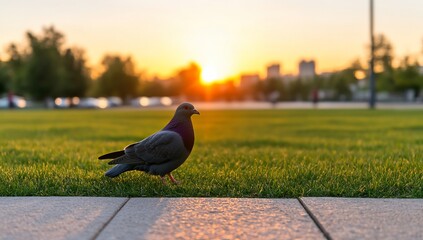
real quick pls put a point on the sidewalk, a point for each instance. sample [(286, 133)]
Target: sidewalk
[(209, 218)]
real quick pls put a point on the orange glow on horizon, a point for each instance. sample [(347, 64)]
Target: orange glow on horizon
[(213, 49), (227, 38), (215, 68), (210, 75)]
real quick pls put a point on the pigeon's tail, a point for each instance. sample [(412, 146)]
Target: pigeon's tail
[(112, 155), (118, 169)]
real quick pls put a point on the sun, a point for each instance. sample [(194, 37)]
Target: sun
[(214, 73), (209, 75), (213, 50)]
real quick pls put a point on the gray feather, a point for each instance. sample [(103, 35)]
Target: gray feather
[(112, 155), (118, 169)]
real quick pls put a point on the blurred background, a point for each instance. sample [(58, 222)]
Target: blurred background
[(102, 54)]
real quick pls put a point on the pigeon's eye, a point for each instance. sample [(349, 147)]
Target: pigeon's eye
[(186, 107)]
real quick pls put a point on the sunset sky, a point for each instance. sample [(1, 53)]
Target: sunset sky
[(225, 37)]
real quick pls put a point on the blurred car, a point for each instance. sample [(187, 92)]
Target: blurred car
[(93, 103), (114, 102), (62, 102), (18, 102), (152, 102)]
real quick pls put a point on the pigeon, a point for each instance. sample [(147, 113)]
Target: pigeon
[(160, 153)]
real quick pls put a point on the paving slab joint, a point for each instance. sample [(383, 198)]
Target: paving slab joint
[(111, 218), (315, 220)]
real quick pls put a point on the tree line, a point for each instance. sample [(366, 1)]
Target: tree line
[(45, 68)]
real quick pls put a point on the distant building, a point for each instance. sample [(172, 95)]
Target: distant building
[(248, 80), (307, 69), (273, 71)]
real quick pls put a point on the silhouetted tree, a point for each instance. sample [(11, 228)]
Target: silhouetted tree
[(152, 88), (225, 90), (42, 70), (74, 80), (341, 82), (118, 79), (4, 78), (16, 70), (43, 64), (273, 87), (299, 89), (174, 87), (407, 76), (230, 92), (189, 78), (383, 63)]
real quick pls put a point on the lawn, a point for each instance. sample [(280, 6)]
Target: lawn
[(238, 153)]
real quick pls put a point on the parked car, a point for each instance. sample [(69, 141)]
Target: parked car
[(18, 102), (62, 102), (151, 102), (114, 101), (93, 103)]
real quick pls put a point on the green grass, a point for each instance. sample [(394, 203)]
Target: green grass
[(262, 153)]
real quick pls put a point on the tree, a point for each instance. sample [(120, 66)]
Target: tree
[(119, 78), (383, 63), (274, 89), (42, 69), (43, 63), (152, 88), (341, 82), (16, 70), (189, 78), (230, 91), (383, 53), (407, 76), (225, 90), (299, 89), (74, 78), (4, 78)]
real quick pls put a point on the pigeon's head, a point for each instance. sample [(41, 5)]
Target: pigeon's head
[(186, 109)]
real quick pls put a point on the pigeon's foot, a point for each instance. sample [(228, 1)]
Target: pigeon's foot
[(163, 178), (173, 179)]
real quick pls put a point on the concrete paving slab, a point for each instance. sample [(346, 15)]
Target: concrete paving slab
[(364, 218), (211, 218), (55, 217)]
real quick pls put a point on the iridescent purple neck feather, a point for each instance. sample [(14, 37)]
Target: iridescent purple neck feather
[(184, 128)]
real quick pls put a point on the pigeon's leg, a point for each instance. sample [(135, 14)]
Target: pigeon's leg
[(172, 178)]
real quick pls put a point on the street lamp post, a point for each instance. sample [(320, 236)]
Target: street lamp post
[(372, 84)]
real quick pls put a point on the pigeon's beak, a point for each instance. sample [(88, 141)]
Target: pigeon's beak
[(195, 112)]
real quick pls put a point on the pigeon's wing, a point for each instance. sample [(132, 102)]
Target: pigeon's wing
[(158, 148)]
